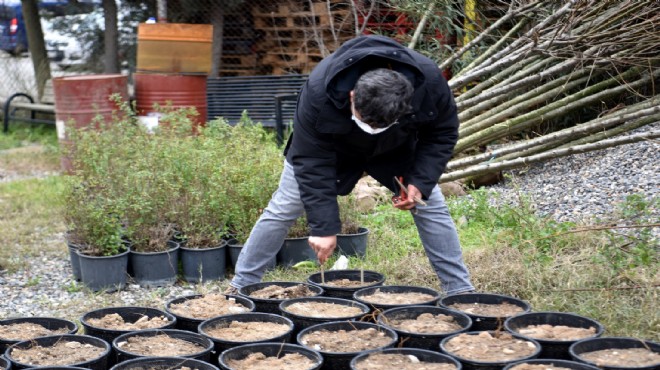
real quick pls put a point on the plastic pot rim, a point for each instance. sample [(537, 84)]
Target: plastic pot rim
[(85, 317), (344, 302), (600, 329), (447, 311), (73, 337), (203, 324), (285, 284), (355, 325), (403, 350), (208, 346)]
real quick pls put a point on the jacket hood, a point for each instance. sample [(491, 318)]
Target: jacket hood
[(362, 54)]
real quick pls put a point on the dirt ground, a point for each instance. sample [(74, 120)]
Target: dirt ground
[(323, 309), (486, 347), (247, 331), (346, 340), (379, 361), (207, 306), (259, 361), (65, 352), (26, 330)]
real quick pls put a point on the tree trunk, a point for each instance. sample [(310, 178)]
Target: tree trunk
[(36, 44), (111, 58)]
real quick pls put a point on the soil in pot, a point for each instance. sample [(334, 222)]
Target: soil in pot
[(24, 328), (234, 330), (270, 356), (549, 364), (487, 311), (160, 343), (391, 296), (404, 359), (489, 347), (268, 296), (109, 323), (164, 363), (60, 350), (191, 311), (343, 283), (612, 353), (305, 312)]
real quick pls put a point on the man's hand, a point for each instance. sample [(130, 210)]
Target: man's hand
[(323, 246), (408, 203)]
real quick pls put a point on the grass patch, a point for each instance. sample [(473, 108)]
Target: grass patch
[(31, 218), (23, 133)]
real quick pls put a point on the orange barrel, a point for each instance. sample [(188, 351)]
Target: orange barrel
[(179, 90), (79, 99)]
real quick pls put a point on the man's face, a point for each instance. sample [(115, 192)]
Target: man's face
[(366, 127)]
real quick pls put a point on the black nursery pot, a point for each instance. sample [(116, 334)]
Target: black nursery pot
[(597, 344), (98, 363), (342, 360), (553, 362), (128, 314), (555, 349), (361, 294), (421, 354), (4, 363), (272, 305), (428, 341), (304, 321), (50, 323), (163, 363), (269, 350), (191, 323), (469, 364), (370, 278), (220, 345), (480, 322), (196, 338)]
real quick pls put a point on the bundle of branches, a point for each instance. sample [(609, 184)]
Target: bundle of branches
[(568, 77)]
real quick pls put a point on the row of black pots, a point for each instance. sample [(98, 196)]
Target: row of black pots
[(325, 360)]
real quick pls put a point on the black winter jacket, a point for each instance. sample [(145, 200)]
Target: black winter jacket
[(329, 153)]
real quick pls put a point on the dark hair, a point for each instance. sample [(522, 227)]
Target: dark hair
[(381, 96)]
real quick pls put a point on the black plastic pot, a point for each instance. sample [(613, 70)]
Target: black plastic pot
[(191, 323), (342, 360), (480, 322), (98, 363), (202, 355), (220, 344), (57, 368), (553, 362), (50, 323), (597, 344), (295, 250), (272, 305), (469, 364), (429, 341), (353, 244), (554, 349), (108, 273), (4, 363), (163, 363), (361, 294), (422, 355), (269, 350), (203, 264), (234, 250), (129, 314), (304, 321), (155, 269), (75, 260), (370, 278)]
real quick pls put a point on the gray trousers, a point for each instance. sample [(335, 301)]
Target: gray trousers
[(434, 225)]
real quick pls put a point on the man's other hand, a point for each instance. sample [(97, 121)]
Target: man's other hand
[(323, 246)]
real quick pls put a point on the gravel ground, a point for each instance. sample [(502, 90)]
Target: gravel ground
[(576, 188)]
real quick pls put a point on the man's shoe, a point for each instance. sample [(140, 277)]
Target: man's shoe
[(231, 291)]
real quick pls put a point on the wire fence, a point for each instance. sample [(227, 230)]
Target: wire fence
[(259, 37)]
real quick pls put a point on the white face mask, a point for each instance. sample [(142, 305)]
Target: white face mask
[(368, 129)]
